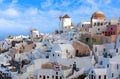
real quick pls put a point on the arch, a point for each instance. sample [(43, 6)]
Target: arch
[(77, 52), (87, 40)]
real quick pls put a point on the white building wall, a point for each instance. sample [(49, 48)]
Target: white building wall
[(49, 73), (118, 42), (61, 50), (114, 70), (98, 28), (97, 73), (97, 21), (37, 64), (66, 23), (100, 48), (114, 21), (35, 33), (95, 30)]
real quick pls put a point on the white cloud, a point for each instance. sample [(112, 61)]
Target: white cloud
[(6, 24), (108, 1), (14, 1), (54, 13), (11, 12), (47, 3), (85, 10), (65, 3), (92, 2), (32, 11)]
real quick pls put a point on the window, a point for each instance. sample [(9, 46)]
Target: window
[(107, 65), (112, 75), (94, 24), (98, 24), (66, 51), (82, 25), (91, 71), (101, 24), (40, 76), (117, 66), (56, 73), (104, 50), (87, 40), (60, 77), (56, 77), (109, 23), (48, 77), (77, 52), (110, 56), (98, 29), (111, 28), (44, 77), (117, 50), (53, 77), (92, 77), (101, 62), (105, 33), (104, 76), (111, 33), (99, 77), (119, 75), (89, 76)]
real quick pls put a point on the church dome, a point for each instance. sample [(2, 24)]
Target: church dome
[(98, 15)]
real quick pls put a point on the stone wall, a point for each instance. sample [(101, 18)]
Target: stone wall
[(91, 39), (81, 48)]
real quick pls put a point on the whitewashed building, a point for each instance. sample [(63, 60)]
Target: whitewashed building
[(106, 68), (100, 49), (34, 33), (53, 71), (62, 51), (98, 23), (100, 73), (66, 22)]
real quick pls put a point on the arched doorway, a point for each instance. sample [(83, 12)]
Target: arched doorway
[(77, 52), (87, 40)]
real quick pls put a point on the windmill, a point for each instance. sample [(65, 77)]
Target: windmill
[(59, 17), (30, 30)]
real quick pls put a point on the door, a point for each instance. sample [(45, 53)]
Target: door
[(56, 77)]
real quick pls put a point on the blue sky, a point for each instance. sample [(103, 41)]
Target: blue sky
[(19, 16)]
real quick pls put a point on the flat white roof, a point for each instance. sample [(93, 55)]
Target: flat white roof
[(100, 70)]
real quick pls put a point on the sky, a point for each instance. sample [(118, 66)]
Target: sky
[(17, 17)]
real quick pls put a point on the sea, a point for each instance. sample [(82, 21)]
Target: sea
[(6, 34)]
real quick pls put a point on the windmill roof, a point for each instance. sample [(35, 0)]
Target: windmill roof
[(66, 16)]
